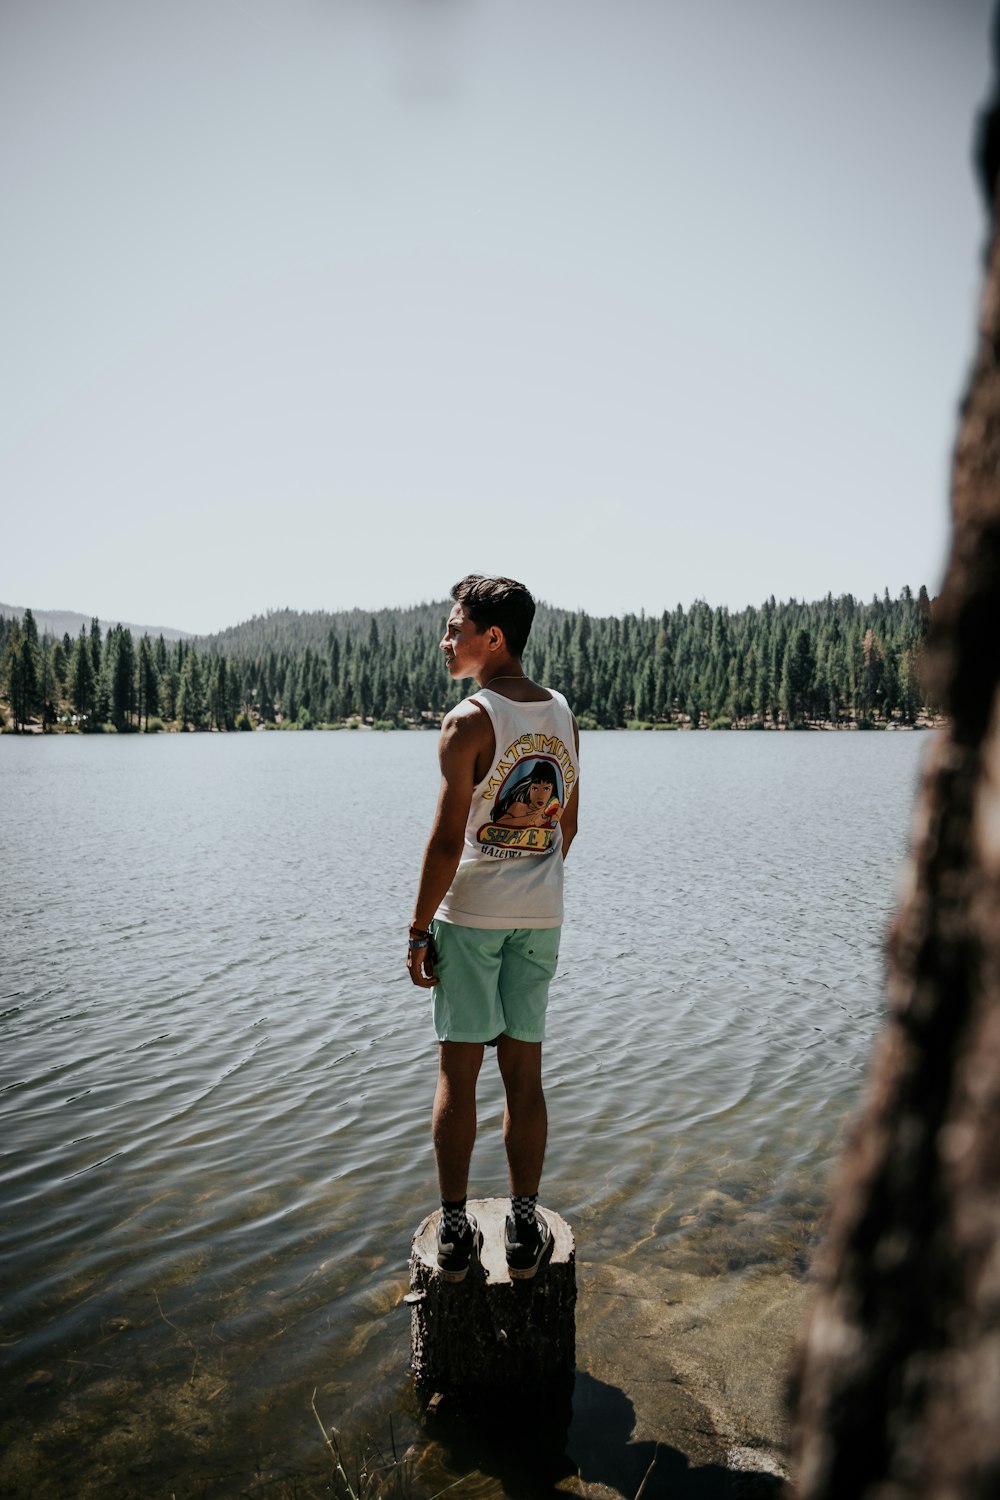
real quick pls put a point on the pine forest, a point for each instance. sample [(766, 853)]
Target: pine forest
[(834, 663)]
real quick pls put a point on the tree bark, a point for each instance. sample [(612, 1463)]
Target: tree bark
[(897, 1386)]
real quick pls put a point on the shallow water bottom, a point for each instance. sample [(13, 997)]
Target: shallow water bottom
[(680, 1382)]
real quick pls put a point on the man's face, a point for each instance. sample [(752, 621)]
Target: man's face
[(464, 644)]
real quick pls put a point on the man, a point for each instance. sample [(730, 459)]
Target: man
[(488, 914)]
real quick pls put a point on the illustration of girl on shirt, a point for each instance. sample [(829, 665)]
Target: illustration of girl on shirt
[(533, 800)]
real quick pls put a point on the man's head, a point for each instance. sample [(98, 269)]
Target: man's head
[(501, 602)]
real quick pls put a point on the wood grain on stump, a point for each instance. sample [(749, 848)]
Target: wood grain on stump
[(489, 1333)]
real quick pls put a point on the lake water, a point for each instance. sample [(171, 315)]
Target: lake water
[(216, 1077)]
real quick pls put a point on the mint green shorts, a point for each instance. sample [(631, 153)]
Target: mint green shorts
[(493, 981)]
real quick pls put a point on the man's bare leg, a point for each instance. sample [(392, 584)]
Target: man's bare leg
[(525, 1121), (454, 1118)]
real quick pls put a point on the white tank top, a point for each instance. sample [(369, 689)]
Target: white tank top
[(511, 870)]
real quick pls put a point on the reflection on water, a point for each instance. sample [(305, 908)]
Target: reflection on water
[(216, 1078)]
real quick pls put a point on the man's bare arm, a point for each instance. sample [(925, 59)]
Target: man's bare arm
[(571, 813), (462, 738)]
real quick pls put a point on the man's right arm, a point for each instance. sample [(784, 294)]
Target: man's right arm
[(461, 740)]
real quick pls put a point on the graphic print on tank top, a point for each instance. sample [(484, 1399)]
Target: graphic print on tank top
[(527, 807)]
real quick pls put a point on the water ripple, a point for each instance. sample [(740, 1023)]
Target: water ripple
[(216, 1078)]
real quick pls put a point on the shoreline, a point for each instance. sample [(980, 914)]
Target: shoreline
[(820, 726)]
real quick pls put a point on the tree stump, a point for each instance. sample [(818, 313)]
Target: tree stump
[(489, 1334)]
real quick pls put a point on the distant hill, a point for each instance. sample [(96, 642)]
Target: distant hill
[(60, 622), (294, 630)]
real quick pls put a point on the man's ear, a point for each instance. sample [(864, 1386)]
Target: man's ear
[(496, 636)]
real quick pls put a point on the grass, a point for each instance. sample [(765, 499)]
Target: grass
[(377, 1477)]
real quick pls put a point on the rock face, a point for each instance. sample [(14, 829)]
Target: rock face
[(897, 1391), (490, 1334)]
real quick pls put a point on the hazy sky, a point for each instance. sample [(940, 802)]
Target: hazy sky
[(327, 302)]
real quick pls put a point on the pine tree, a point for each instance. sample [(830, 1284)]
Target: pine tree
[(60, 664), (870, 675), (22, 676), (81, 679), (147, 681), (48, 687), (170, 687), (119, 676), (95, 647), (29, 629), (797, 670), (191, 693)]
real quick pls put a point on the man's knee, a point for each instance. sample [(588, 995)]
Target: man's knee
[(458, 1065), (520, 1069)]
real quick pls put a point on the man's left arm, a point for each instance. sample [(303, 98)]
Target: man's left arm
[(571, 813)]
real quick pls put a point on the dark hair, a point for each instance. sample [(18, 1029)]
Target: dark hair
[(497, 601)]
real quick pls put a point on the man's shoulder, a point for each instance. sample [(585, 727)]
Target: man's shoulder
[(466, 737), (467, 709), (468, 720), (561, 700)]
